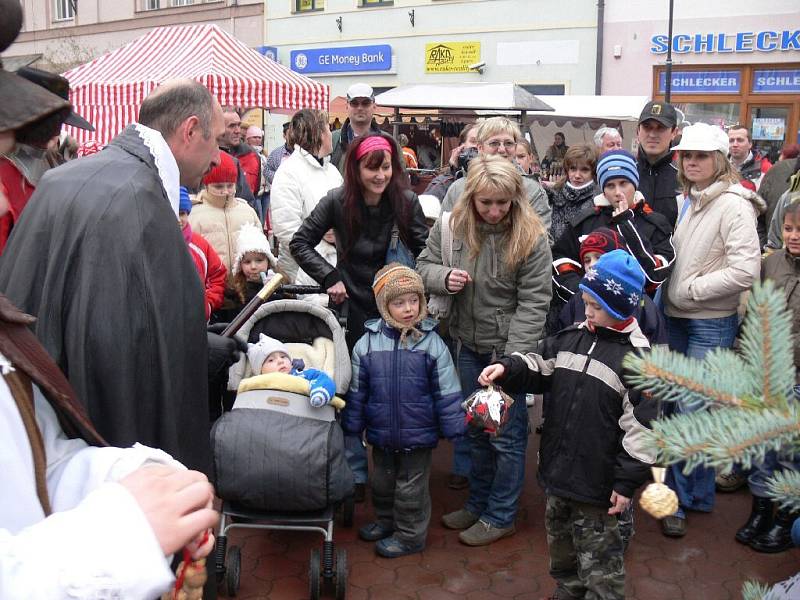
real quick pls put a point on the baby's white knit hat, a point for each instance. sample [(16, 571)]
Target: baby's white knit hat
[(259, 352)]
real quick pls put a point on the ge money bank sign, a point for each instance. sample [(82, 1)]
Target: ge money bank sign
[(341, 60)]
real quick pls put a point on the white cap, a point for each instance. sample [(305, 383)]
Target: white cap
[(254, 131), (251, 239), (431, 207), (258, 353), (703, 137), (360, 90)]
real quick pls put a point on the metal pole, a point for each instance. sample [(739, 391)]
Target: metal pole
[(598, 66), (668, 73)]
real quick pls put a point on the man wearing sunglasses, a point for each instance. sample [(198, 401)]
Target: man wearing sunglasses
[(360, 107)]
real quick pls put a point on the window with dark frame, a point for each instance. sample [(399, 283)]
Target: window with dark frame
[(366, 3), (301, 6)]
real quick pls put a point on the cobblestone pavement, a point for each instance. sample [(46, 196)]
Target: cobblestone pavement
[(707, 564)]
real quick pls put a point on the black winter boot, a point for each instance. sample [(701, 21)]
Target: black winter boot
[(759, 521), (779, 536)]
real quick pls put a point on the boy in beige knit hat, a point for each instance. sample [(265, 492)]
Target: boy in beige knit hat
[(405, 393)]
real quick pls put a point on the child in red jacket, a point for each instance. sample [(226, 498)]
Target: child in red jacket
[(209, 266)]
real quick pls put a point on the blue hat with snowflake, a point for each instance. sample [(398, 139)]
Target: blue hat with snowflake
[(616, 281)]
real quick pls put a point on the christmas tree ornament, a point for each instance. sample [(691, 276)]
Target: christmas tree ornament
[(657, 499)]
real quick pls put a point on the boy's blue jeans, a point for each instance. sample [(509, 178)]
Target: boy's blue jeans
[(695, 338), (498, 463)]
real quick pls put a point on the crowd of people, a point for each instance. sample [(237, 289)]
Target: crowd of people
[(158, 240)]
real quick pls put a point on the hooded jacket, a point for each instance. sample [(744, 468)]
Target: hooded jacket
[(497, 311), (717, 252), (298, 186), (658, 183), (405, 396), (592, 439), (219, 222)]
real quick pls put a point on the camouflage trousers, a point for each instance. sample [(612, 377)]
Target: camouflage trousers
[(585, 550)]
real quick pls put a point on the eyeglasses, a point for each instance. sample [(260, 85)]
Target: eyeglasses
[(360, 102), (508, 145)]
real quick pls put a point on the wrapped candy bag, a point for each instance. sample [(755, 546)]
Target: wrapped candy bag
[(487, 409)]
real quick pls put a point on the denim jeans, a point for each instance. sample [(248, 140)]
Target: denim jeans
[(695, 338), (356, 454), (498, 463)]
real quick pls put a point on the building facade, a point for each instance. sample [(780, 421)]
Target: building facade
[(387, 43), (734, 61), (60, 34)]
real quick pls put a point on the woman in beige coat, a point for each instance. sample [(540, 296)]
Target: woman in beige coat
[(717, 257)]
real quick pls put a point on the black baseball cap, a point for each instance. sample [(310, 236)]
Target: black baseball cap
[(59, 86), (663, 112)]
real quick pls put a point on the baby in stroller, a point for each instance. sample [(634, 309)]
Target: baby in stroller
[(269, 355)]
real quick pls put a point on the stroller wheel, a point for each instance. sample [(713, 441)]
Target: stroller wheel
[(314, 575), (341, 574), (233, 571), (348, 509)]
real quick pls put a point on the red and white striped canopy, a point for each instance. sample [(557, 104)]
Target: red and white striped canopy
[(109, 90)]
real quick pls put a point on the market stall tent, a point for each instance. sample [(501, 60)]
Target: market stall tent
[(109, 90)]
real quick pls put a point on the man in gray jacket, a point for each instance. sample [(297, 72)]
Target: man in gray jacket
[(499, 135)]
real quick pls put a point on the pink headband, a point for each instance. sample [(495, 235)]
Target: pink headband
[(372, 143)]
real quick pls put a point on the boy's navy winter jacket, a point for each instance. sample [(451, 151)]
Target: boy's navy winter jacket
[(404, 396), (592, 439)]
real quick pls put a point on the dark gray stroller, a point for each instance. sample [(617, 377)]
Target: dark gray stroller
[(272, 449)]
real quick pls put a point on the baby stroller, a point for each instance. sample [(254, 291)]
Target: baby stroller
[(278, 487)]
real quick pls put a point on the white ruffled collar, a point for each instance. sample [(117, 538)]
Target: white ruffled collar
[(165, 162)]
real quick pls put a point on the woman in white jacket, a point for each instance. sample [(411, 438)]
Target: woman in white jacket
[(717, 257), (302, 179)]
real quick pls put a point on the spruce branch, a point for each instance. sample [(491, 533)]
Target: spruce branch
[(671, 376), (722, 437), (753, 590), (784, 488), (766, 344)]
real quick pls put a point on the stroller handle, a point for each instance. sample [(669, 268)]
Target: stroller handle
[(302, 289)]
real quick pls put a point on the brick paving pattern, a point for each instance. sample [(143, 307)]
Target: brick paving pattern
[(707, 564)]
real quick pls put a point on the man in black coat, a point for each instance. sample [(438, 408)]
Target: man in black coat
[(99, 258), (658, 177)]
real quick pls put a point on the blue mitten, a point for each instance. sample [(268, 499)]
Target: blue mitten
[(318, 399)]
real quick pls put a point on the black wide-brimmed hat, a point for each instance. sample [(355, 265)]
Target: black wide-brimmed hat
[(21, 101), (59, 86)]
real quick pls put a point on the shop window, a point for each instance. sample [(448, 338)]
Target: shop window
[(723, 114), (64, 10), (308, 5), (545, 89)]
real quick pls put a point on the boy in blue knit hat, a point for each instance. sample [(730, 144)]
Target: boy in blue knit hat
[(621, 207), (591, 458)]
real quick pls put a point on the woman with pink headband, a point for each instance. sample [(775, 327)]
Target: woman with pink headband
[(374, 198)]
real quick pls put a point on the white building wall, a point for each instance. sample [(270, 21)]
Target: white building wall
[(630, 27), (556, 46)]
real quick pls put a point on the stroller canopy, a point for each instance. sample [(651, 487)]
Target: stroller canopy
[(109, 90)]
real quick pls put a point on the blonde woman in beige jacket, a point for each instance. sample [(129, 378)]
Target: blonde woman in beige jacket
[(717, 257)]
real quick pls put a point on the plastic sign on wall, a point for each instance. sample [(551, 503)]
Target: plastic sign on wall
[(769, 128), (776, 81), (721, 43), (701, 82), (340, 60), (451, 57)]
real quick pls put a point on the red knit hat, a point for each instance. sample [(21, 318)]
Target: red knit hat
[(224, 172), (601, 241)]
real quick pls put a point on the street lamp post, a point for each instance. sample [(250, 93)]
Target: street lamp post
[(668, 71)]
